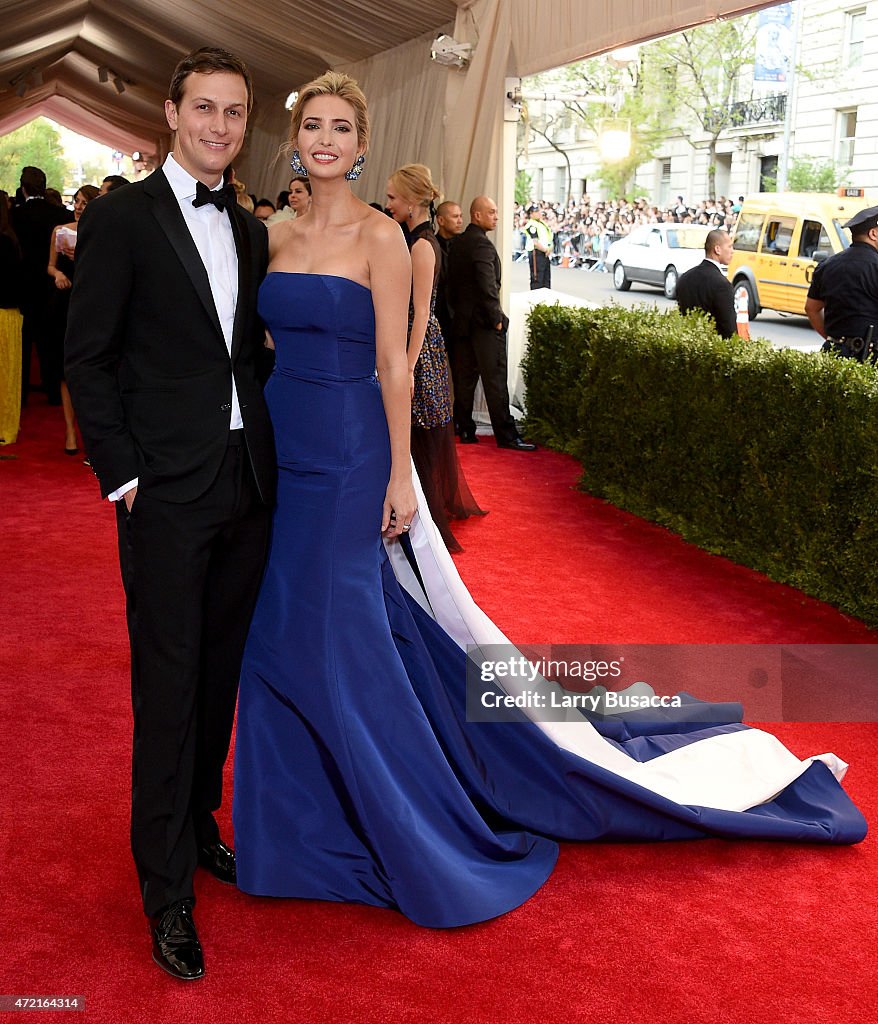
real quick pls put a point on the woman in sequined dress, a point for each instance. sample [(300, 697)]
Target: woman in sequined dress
[(410, 197)]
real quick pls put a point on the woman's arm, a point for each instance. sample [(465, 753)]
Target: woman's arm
[(390, 277), (278, 237), (423, 268), (61, 280)]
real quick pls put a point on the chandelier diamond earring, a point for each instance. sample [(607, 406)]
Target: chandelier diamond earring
[(357, 169), (297, 165)]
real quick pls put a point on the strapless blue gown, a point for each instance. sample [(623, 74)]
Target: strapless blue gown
[(357, 776), (342, 788)]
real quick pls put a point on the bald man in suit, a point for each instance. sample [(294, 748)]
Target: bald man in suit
[(480, 325), (706, 286)]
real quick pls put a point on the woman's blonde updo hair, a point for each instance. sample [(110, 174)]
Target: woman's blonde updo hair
[(332, 83), (415, 184)]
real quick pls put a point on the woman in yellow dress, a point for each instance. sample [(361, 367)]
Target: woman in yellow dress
[(10, 327)]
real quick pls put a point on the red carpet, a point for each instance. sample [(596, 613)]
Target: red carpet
[(710, 931)]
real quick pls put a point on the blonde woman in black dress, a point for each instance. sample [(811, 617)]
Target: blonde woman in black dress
[(410, 198)]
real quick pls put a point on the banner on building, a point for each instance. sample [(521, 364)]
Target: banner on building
[(774, 44)]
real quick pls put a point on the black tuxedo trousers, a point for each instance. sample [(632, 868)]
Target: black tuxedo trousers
[(191, 573), (482, 353)]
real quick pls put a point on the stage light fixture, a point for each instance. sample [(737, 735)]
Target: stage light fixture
[(103, 74), (450, 52), (119, 84)]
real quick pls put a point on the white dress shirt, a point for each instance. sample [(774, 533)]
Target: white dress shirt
[(211, 230)]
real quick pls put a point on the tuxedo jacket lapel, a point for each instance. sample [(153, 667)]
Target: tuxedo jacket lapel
[(245, 281), (167, 213)]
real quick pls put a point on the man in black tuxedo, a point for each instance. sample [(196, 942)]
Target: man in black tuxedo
[(163, 349), (707, 287), (479, 323), (33, 222), (449, 225)]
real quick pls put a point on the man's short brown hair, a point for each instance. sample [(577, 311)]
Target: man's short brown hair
[(206, 61)]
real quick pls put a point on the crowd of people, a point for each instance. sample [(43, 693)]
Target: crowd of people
[(37, 262), (583, 229)]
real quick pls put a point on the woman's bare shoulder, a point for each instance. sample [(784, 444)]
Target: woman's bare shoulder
[(279, 235), (379, 229)]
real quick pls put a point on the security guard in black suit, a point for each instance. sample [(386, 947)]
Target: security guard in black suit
[(842, 302), (706, 286), (480, 329)]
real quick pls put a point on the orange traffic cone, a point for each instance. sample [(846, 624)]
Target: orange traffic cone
[(742, 311)]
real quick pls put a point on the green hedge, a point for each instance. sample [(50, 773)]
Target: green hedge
[(768, 457)]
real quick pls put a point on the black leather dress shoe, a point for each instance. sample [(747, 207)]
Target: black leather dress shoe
[(468, 439), (219, 861), (175, 945), (518, 444)]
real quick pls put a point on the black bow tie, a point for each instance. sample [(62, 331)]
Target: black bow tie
[(221, 197)]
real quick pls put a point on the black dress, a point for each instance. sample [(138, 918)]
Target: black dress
[(57, 303), (433, 449)]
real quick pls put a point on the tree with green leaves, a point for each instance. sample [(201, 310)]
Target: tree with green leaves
[(523, 183), (590, 92), (35, 144), (807, 174), (644, 117), (698, 70)]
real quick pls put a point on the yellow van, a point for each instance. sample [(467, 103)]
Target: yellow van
[(780, 237)]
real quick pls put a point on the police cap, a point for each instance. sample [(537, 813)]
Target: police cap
[(863, 221)]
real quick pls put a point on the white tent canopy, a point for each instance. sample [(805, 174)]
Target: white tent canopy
[(450, 119)]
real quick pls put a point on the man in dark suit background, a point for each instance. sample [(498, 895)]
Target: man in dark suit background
[(449, 225), (707, 287), (479, 327), (33, 221), (163, 348)]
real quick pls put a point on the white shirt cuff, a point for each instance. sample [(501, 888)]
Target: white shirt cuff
[(122, 491)]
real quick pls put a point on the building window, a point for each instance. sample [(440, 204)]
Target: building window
[(664, 189), (855, 33), (768, 174), (561, 185), (847, 136)]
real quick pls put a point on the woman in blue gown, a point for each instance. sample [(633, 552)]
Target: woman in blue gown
[(357, 775)]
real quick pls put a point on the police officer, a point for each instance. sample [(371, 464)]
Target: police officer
[(842, 302), (538, 244)]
